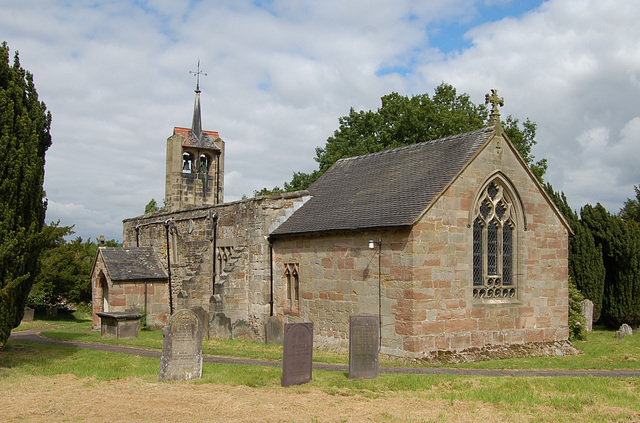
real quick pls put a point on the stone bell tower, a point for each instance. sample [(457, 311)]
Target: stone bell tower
[(195, 164)]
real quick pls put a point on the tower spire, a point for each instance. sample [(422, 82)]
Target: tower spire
[(196, 123)]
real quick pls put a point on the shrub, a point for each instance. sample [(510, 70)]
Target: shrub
[(577, 329)]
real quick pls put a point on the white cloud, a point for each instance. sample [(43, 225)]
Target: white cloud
[(115, 77)]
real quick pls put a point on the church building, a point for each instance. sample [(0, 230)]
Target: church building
[(451, 243)]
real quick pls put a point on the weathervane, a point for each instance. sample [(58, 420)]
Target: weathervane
[(197, 74)]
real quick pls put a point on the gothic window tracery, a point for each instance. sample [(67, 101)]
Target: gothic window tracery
[(493, 244)]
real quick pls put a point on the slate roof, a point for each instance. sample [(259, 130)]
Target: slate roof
[(132, 264), (389, 189)]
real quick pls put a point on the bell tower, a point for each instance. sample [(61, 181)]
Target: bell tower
[(195, 163)]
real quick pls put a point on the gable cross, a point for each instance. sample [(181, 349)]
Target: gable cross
[(494, 117), (197, 74)]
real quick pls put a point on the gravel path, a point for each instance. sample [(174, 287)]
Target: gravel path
[(33, 336)]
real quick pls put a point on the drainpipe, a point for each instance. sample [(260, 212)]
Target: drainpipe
[(380, 292), (218, 177), (270, 239), (166, 227), (214, 218)]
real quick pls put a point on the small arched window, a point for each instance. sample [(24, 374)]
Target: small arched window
[(494, 229)]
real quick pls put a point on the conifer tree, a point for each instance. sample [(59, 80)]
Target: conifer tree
[(24, 139), (586, 267), (620, 242)]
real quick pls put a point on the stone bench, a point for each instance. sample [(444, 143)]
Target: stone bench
[(119, 324)]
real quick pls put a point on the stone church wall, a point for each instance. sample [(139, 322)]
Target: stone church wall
[(241, 293)]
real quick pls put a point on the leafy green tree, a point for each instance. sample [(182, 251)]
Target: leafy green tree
[(24, 139), (620, 242), (631, 209), (403, 120), (65, 268), (151, 206)]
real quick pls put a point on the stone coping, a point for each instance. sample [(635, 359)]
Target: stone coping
[(120, 315)]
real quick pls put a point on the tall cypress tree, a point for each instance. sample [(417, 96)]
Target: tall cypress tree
[(586, 266), (24, 139), (620, 242)]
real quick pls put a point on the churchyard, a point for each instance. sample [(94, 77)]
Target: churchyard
[(53, 383)]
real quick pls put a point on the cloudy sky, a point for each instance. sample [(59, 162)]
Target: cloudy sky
[(115, 75)]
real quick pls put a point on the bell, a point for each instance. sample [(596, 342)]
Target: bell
[(186, 166)]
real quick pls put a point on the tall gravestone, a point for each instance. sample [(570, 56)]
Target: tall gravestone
[(297, 357), (364, 342), (181, 347), (587, 312)]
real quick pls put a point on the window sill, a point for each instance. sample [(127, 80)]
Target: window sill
[(495, 302)]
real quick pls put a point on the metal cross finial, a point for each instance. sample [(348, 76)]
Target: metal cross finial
[(197, 74), (494, 117)]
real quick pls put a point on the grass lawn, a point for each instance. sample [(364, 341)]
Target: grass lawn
[(554, 399)]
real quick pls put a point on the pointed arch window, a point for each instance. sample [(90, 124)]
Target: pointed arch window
[(292, 285), (494, 228)]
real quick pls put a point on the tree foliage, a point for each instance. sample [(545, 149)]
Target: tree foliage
[(631, 209), (24, 139), (620, 243), (151, 206), (586, 266), (403, 120), (65, 269)]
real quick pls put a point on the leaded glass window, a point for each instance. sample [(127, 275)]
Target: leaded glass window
[(493, 245)]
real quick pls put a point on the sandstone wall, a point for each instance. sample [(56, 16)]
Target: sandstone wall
[(426, 276), (241, 291)]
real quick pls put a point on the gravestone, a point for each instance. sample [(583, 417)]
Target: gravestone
[(624, 330), (364, 341), (297, 357), (181, 347), (273, 331), (242, 330), (28, 315), (203, 316), (587, 312), (220, 326)]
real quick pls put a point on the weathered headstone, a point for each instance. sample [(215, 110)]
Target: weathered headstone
[(241, 329), (220, 326), (364, 341), (297, 358), (203, 316), (587, 312), (624, 330), (28, 315), (273, 330), (181, 347)]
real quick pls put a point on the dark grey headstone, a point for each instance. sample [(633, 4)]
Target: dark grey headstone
[(364, 342), (587, 312), (297, 358), (203, 316), (181, 347), (273, 331), (220, 326)]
